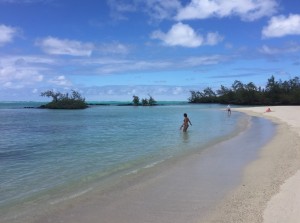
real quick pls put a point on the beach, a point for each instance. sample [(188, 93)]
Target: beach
[(269, 191), (182, 190), (250, 176), (61, 163)]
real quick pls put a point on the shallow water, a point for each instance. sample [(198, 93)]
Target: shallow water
[(47, 154), (186, 189)]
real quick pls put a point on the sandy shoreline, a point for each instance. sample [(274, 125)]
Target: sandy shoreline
[(255, 184), (269, 192), (185, 191), (182, 190)]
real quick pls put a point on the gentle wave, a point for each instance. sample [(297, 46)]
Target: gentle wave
[(147, 166), (71, 196)]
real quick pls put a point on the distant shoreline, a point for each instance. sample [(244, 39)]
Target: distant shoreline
[(113, 103)]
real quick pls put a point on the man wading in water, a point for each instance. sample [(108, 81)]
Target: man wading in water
[(186, 122)]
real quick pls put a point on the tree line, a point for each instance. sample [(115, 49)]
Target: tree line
[(275, 93), (74, 100), (144, 102)]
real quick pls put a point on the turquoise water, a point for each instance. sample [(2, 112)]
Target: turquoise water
[(55, 152)]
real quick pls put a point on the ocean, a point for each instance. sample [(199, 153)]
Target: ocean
[(49, 156)]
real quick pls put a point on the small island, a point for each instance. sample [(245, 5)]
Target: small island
[(144, 102), (64, 101)]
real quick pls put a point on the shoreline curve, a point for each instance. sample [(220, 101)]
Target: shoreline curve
[(270, 188)]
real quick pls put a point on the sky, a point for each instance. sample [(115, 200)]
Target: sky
[(110, 50)]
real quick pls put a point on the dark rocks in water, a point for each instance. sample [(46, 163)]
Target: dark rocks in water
[(29, 107)]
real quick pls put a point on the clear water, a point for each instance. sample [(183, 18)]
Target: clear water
[(46, 152)]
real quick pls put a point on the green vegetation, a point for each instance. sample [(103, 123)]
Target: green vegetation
[(144, 102), (136, 100), (275, 93), (64, 101)]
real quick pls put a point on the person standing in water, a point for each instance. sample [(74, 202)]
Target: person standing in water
[(228, 110), (186, 122)]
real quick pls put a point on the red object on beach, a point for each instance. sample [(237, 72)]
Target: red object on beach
[(268, 110)]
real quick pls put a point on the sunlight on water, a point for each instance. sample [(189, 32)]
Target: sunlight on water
[(44, 150)]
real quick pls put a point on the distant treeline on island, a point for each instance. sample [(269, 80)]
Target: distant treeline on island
[(74, 100), (275, 93)]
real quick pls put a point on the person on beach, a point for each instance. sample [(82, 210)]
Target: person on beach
[(186, 122), (228, 109)]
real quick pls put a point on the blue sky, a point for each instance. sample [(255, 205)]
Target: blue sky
[(114, 49)]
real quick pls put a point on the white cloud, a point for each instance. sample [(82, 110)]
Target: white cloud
[(156, 9), (204, 60), (7, 34), (213, 38), (280, 26), (31, 60), (13, 77), (118, 8), (125, 92), (246, 9), (177, 90), (108, 66), (269, 50), (183, 35), (160, 10), (60, 81), (57, 46), (21, 71), (287, 48), (179, 35), (113, 48), (105, 66), (131, 66)]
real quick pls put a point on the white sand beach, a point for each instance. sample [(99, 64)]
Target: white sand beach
[(270, 190), (219, 185)]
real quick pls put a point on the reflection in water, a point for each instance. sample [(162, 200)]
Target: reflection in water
[(185, 137)]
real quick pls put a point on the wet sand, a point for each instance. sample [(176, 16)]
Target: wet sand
[(269, 192), (185, 190)]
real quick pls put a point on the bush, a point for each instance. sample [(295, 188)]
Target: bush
[(64, 101), (144, 101)]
